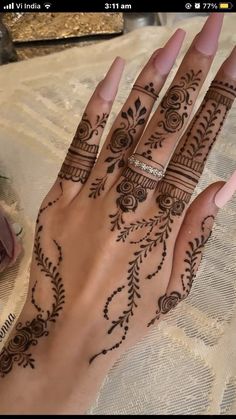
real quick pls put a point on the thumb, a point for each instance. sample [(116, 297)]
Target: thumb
[(193, 235)]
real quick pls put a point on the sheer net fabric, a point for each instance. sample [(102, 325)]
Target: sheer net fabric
[(187, 364)]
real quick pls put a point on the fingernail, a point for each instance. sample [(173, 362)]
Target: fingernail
[(207, 40), (226, 192), (6, 236), (108, 87), (229, 66), (166, 57)]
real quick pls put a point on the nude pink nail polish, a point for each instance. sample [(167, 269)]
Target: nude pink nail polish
[(206, 41), (229, 66), (166, 56), (226, 192), (109, 85)]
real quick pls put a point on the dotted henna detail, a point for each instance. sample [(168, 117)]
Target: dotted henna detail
[(26, 335), (174, 110), (169, 208), (148, 89), (192, 260)]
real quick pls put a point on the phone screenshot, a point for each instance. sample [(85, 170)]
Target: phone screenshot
[(117, 208)]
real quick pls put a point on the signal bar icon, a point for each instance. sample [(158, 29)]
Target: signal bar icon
[(9, 6)]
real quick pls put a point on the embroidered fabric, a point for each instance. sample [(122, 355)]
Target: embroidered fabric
[(187, 364)]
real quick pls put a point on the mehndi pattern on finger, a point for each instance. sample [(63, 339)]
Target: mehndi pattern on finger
[(122, 139), (174, 109), (81, 155), (148, 89), (193, 256)]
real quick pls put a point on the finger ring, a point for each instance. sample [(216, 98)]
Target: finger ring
[(133, 161)]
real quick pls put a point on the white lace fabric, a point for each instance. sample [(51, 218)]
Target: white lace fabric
[(187, 364)]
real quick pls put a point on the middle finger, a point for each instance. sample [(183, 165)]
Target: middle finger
[(171, 117)]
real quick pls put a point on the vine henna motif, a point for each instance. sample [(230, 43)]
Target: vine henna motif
[(174, 192), (26, 335), (193, 256)]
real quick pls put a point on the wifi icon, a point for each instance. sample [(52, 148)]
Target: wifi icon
[(47, 5)]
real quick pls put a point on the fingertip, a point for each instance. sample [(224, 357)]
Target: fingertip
[(109, 85), (229, 65), (167, 55)]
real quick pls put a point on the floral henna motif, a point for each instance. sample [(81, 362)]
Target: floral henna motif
[(174, 192), (174, 110), (16, 350), (122, 140), (165, 304), (193, 256), (81, 155), (133, 190)]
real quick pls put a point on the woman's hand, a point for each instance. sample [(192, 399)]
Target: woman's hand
[(116, 243)]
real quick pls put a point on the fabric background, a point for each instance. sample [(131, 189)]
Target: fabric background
[(186, 365)]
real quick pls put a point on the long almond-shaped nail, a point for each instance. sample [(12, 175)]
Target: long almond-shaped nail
[(166, 56), (108, 87), (229, 66), (207, 40), (226, 192)]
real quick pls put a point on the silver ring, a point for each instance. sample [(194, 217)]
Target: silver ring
[(146, 167)]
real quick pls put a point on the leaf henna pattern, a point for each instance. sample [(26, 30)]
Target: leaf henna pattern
[(121, 141), (81, 155), (26, 335), (168, 209), (174, 193), (192, 261), (174, 110)]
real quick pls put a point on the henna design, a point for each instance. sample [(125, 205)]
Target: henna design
[(148, 89), (174, 108), (49, 204), (81, 156), (109, 300), (187, 163), (203, 130), (150, 224), (121, 140), (132, 189), (27, 334), (168, 209), (193, 256), (165, 304)]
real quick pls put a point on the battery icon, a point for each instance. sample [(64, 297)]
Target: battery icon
[(225, 6)]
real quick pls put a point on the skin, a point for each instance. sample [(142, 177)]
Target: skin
[(74, 232)]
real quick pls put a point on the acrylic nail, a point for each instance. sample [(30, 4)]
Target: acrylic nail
[(226, 192), (229, 66), (108, 87), (167, 55), (206, 41)]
